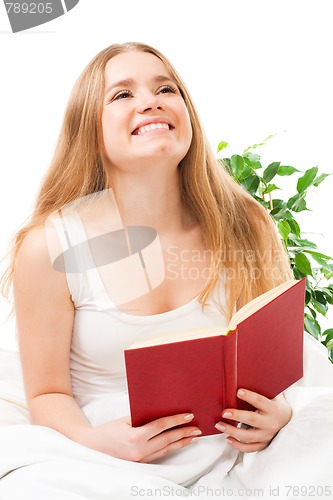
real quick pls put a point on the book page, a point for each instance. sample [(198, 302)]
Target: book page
[(179, 336)]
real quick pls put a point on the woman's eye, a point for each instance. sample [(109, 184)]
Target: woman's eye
[(166, 89), (122, 95)]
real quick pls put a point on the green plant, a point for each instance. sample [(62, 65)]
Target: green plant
[(305, 257)]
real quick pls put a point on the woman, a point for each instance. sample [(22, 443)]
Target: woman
[(132, 153)]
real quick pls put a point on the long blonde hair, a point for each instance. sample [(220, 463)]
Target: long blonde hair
[(239, 233)]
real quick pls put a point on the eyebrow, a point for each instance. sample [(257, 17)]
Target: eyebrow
[(129, 82)]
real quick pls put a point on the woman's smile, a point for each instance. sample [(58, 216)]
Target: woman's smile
[(152, 128)]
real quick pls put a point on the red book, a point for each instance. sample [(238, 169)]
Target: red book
[(199, 371)]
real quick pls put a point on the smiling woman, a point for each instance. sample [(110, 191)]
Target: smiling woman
[(132, 189)]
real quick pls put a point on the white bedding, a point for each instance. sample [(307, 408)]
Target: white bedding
[(37, 463)]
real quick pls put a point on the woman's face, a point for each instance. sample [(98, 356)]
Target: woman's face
[(145, 120)]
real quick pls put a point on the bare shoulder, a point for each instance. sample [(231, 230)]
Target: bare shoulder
[(34, 247), (33, 270)]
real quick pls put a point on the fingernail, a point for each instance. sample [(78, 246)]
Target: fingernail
[(229, 441), (227, 414), (220, 427), (193, 440), (188, 417), (196, 433), (241, 393)]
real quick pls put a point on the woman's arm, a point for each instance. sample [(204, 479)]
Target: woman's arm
[(45, 314)]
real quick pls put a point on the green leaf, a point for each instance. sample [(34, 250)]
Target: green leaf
[(270, 188), (312, 326), (251, 183), (328, 334), (307, 179), (325, 265), (288, 215), (304, 243), (321, 308), (254, 157), (282, 214), (279, 206), (247, 170), (318, 180), (327, 274), (320, 296), (312, 311), (319, 255), (279, 203), (294, 227), (253, 160), (328, 294), (307, 296), (286, 170), (297, 203), (271, 171), (221, 145), (284, 229), (321, 261), (303, 264), (236, 165)]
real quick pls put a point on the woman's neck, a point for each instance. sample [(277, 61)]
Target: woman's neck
[(150, 201)]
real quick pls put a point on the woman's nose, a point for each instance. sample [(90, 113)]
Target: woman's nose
[(150, 102)]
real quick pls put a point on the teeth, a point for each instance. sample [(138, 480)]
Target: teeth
[(152, 126)]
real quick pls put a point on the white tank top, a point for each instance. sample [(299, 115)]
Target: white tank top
[(102, 331)]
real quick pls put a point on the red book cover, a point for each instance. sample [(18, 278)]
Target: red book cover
[(201, 376)]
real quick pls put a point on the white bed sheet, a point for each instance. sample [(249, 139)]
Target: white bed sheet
[(37, 463)]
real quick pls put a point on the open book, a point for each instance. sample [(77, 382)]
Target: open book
[(199, 370)]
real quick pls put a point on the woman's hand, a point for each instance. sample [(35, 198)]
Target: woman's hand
[(265, 423), (142, 444)]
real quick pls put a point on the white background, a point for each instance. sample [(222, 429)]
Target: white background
[(253, 67)]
